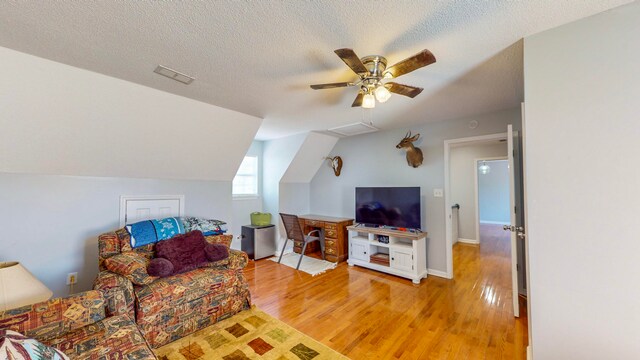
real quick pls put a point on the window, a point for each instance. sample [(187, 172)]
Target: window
[(246, 181)]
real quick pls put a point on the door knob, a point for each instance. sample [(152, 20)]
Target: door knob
[(521, 235), (508, 228)]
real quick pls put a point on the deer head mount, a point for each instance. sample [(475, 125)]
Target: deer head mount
[(336, 164), (414, 154)]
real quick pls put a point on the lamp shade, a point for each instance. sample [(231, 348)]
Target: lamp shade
[(18, 287)]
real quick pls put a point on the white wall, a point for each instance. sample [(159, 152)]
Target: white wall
[(50, 223), (493, 193), (290, 164), (98, 138), (373, 160), (243, 206), (582, 85), (462, 168), (57, 119)]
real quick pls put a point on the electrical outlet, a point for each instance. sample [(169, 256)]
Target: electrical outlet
[(72, 278), (438, 193)]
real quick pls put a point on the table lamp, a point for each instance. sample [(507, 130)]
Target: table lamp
[(18, 287)]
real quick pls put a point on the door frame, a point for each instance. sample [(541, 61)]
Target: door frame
[(476, 189), (448, 144)]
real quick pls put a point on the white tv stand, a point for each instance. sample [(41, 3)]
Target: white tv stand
[(407, 251)]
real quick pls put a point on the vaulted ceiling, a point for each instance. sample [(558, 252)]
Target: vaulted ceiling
[(259, 57)]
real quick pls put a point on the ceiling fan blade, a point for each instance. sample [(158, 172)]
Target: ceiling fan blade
[(331, 85), (406, 90), (423, 58), (358, 101), (352, 60)]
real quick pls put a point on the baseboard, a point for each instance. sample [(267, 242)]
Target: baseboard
[(468, 241), (495, 222), (529, 353), (438, 273)]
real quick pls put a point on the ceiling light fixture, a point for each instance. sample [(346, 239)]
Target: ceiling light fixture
[(368, 101), (484, 168), (382, 93)]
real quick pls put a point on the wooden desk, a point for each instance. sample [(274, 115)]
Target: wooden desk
[(336, 236)]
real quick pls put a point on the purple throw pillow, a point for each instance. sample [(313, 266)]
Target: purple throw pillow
[(185, 252), (160, 267), (216, 252)]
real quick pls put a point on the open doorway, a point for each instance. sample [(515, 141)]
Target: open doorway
[(496, 264), (492, 202)]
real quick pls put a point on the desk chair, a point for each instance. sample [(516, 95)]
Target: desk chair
[(294, 232)]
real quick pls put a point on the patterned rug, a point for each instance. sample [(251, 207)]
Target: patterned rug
[(309, 265), (251, 334)]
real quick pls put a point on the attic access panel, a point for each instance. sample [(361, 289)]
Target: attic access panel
[(354, 129)]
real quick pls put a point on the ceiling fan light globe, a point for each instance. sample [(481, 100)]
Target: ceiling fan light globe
[(368, 101), (382, 93)]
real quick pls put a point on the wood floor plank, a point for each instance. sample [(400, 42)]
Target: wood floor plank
[(365, 314)]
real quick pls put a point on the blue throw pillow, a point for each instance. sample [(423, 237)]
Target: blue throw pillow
[(151, 231)]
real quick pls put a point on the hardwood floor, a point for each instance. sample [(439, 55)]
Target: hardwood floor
[(365, 314)]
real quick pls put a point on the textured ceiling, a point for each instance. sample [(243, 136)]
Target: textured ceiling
[(259, 57)]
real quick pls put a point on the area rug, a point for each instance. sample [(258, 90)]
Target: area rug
[(309, 265), (251, 334)]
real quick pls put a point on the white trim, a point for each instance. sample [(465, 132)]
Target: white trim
[(495, 222), (438, 273), (125, 198), (526, 231), (469, 241), (448, 144)]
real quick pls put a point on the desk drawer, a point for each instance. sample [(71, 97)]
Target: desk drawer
[(331, 233), (328, 243), (330, 250), (314, 223), (330, 226)]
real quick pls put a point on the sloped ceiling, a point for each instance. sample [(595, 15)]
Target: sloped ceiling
[(258, 57)]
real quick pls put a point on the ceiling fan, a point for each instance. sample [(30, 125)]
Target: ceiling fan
[(372, 69)]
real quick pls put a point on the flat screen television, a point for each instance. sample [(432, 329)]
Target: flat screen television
[(397, 207)]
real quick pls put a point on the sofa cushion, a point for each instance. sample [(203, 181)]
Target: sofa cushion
[(53, 318), (16, 346), (132, 266), (115, 337), (185, 252), (183, 288)]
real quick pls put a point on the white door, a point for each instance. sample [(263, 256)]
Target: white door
[(138, 208), (517, 217), (401, 259)]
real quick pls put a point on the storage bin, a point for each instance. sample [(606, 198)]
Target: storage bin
[(260, 219)]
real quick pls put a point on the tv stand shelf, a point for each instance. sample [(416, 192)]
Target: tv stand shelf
[(407, 251)]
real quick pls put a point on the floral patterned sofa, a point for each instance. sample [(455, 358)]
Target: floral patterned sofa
[(77, 326), (166, 309)]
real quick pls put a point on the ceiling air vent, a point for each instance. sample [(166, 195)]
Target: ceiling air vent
[(172, 74), (354, 129)]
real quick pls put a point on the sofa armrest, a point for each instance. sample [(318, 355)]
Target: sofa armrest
[(237, 259), (50, 319), (108, 246), (118, 293)]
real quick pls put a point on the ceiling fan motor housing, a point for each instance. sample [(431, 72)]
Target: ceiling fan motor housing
[(376, 65)]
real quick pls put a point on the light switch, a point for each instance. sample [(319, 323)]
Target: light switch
[(438, 193)]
